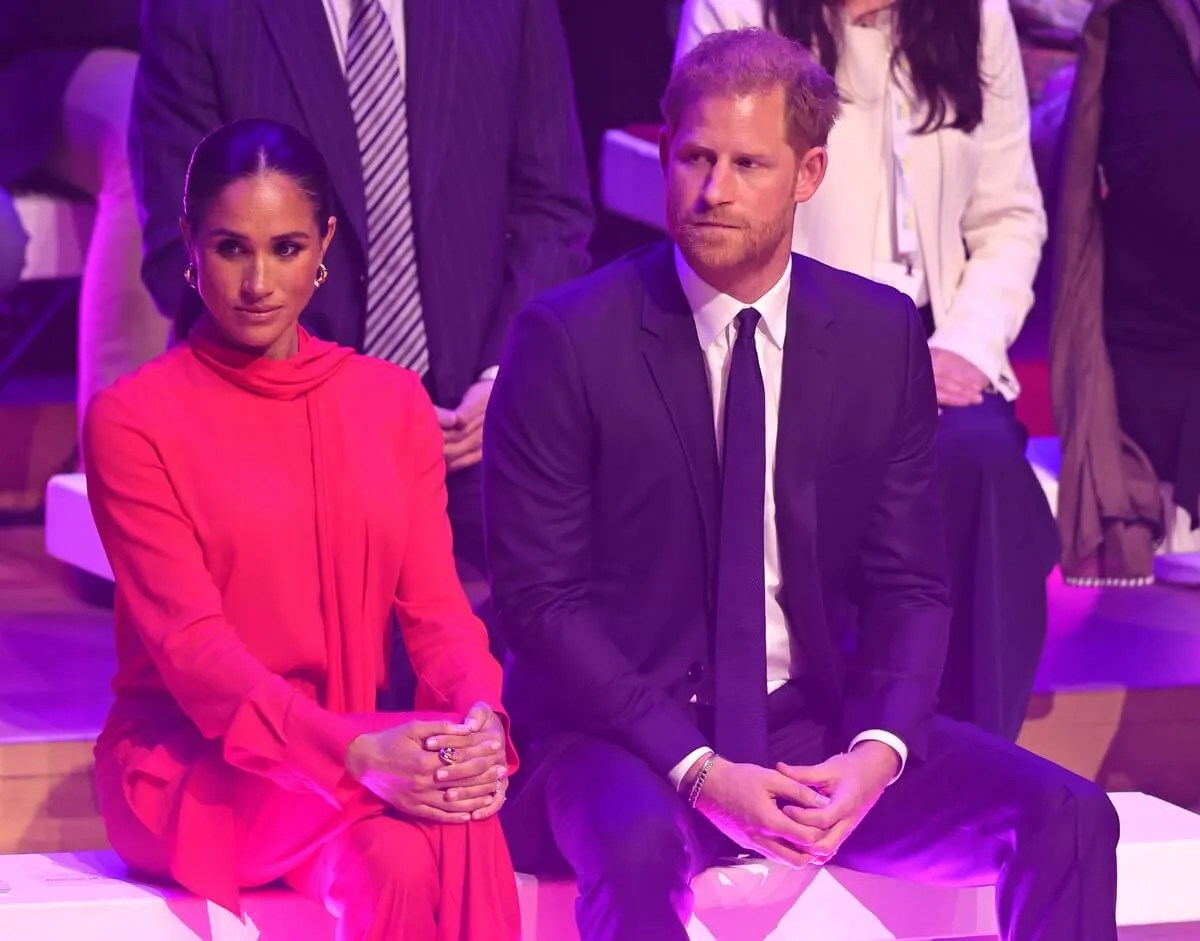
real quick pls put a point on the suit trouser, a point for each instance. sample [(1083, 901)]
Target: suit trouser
[(1002, 543), (975, 810)]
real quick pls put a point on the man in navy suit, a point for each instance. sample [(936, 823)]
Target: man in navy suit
[(715, 547), (450, 132)]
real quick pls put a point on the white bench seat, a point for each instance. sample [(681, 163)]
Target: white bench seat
[(86, 895), (59, 229), (71, 535)]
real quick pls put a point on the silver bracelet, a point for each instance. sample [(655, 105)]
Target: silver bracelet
[(698, 784)]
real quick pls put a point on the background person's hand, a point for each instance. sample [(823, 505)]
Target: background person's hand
[(958, 381), (462, 428)]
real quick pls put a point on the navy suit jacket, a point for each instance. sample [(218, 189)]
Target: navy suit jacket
[(601, 495), (500, 187)]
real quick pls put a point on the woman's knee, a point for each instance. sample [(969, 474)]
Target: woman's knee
[(389, 857)]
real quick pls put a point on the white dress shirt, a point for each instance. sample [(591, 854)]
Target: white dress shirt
[(715, 314), (337, 12)]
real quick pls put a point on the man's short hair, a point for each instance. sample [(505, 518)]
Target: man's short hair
[(749, 61)]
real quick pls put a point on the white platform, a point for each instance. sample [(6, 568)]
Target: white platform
[(631, 182), (70, 530), (84, 896), (1045, 457), (59, 230)]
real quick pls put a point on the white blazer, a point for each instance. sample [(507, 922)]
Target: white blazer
[(980, 219)]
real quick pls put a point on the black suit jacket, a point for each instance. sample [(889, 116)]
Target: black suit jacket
[(601, 494), (500, 187)]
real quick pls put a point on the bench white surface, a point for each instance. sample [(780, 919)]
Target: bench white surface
[(631, 181), (59, 230), (71, 535), (86, 896)]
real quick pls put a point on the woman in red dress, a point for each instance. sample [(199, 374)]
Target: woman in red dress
[(266, 499)]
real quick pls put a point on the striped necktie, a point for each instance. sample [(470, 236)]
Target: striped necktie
[(394, 328)]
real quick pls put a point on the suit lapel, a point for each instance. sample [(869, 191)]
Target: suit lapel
[(807, 390), (672, 351), (431, 40), (809, 362), (301, 33)]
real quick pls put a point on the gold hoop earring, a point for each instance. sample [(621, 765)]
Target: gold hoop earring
[(189, 275), (322, 275)]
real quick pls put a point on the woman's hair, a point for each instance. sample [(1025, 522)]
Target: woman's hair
[(938, 39), (745, 61), (239, 151)]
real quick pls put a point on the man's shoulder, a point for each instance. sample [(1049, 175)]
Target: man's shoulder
[(610, 290), (849, 297)]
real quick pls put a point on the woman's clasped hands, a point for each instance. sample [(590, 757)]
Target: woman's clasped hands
[(439, 770)]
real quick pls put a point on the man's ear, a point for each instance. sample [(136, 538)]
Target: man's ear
[(810, 171)]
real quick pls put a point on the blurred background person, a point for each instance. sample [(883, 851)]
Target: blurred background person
[(1126, 339), (66, 84)]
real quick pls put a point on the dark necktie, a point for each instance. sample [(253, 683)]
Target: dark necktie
[(741, 621)]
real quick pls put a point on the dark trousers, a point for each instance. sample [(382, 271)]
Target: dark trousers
[(1002, 544), (976, 810)]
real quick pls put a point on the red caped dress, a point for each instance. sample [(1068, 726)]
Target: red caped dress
[(262, 518)]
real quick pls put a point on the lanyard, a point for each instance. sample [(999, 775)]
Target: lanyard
[(900, 115)]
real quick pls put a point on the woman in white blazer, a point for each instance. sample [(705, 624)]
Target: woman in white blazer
[(931, 189)]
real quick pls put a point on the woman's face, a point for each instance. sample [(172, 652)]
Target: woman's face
[(256, 253)]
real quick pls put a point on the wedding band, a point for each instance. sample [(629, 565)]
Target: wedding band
[(448, 755)]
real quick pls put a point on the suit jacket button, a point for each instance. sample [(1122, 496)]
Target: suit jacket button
[(695, 672)]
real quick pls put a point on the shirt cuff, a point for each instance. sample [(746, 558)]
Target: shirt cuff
[(489, 374), (676, 774), (891, 741)]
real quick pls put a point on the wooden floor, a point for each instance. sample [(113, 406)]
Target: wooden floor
[(1118, 697), (56, 661)]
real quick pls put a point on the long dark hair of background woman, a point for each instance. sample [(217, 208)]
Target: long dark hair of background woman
[(939, 39)]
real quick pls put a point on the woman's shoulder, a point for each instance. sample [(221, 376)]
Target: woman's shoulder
[(386, 387), (140, 405), (366, 370), (147, 386)]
